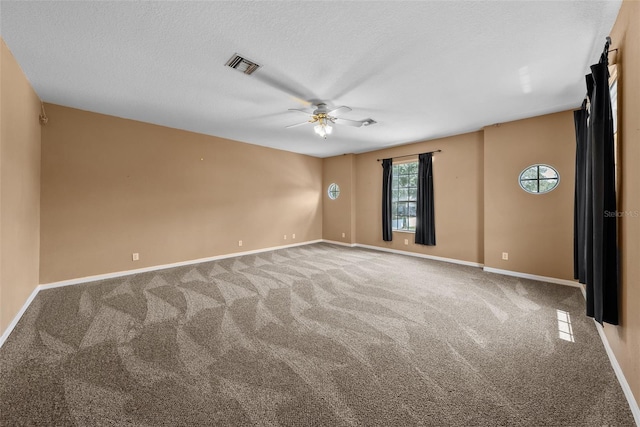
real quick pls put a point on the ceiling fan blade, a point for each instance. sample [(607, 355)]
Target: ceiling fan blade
[(344, 108), (284, 84), (301, 101), (297, 124), (301, 111), (348, 122)]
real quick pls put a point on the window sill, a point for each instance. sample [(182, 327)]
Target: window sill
[(404, 231)]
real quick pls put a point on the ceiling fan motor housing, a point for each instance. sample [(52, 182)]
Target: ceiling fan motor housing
[(322, 108)]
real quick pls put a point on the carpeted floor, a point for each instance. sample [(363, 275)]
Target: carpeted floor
[(316, 335)]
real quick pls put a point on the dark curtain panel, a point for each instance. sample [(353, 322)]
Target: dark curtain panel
[(387, 173), (579, 220), (595, 159), (425, 218)]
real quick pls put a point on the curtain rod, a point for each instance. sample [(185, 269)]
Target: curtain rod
[(411, 155), (607, 45)]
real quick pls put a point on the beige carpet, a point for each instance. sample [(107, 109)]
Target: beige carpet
[(316, 335)]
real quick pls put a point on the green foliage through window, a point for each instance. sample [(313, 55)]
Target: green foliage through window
[(404, 196), (538, 179)]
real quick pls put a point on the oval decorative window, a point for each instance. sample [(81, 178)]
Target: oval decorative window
[(333, 191), (539, 179)]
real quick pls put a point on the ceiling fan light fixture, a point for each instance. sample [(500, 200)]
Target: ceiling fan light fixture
[(320, 131), (323, 120), (323, 128)]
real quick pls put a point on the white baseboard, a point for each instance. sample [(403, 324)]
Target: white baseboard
[(533, 277), (334, 242), (171, 265), (583, 289), (17, 317), (626, 389), (418, 255), (97, 277)]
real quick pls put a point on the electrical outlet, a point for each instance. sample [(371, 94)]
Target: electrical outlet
[(406, 241), (505, 256), (293, 236), (239, 242), (285, 237), (135, 256), (344, 235)]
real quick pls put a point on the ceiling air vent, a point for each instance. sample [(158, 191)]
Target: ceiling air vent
[(242, 64)]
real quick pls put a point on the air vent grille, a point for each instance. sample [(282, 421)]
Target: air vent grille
[(241, 64)]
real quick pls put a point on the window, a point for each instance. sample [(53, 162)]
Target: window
[(613, 91), (333, 191), (539, 179), (404, 196)]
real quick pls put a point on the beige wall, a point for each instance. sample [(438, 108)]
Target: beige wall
[(112, 187), (481, 211), (19, 187), (625, 339), (339, 216), (458, 198), (536, 230)]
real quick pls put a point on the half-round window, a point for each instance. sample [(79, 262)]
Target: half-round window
[(539, 179), (333, 191)]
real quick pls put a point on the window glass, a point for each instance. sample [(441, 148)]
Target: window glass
[(404, 193), (539, 179), (333, 191)]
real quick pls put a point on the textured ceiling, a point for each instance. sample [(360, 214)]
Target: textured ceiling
[(421, 69)]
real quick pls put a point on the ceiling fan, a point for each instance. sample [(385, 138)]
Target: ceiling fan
[(325, 118)]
